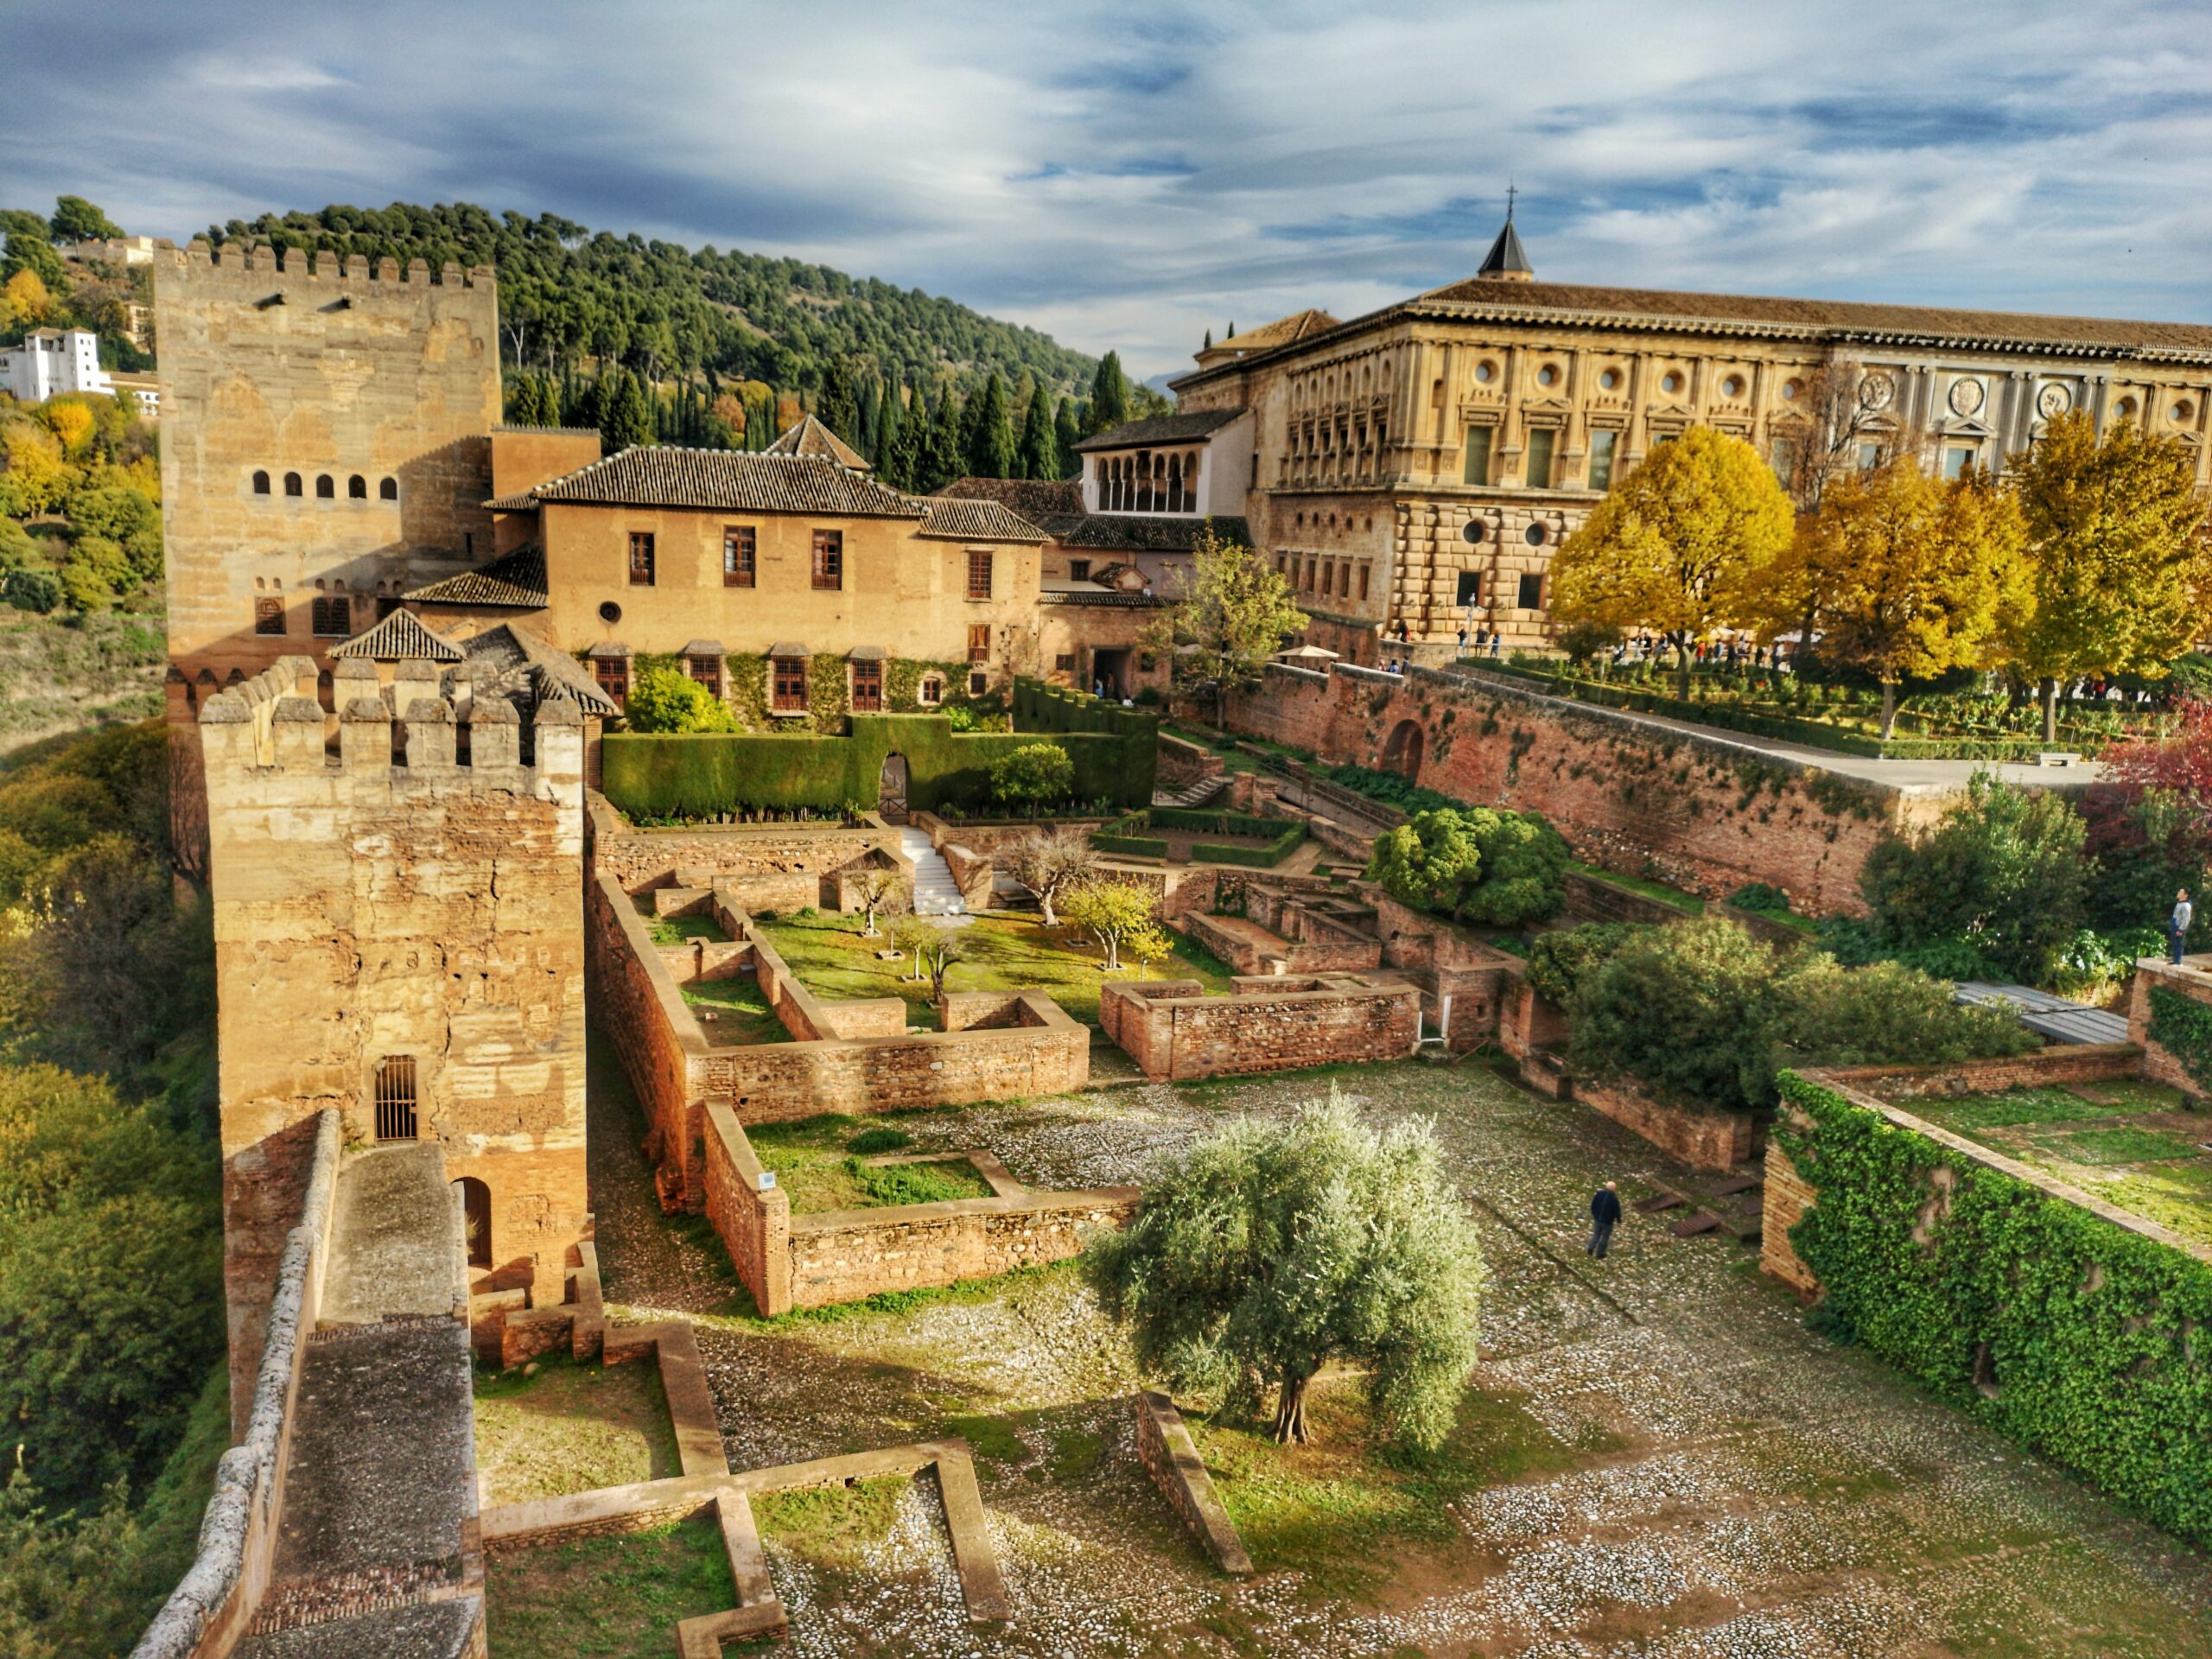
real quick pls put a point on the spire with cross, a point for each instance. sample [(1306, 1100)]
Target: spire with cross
[(1505, 262)]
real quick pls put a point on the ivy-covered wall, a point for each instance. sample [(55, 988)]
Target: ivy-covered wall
[(2063, 1330), (707, 773)]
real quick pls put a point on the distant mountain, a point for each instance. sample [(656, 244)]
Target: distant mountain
[(571, 299)]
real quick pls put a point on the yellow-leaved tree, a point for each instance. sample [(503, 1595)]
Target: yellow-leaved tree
[(1675, 546), (2123, 572), (1231, 613), (1903, 577)]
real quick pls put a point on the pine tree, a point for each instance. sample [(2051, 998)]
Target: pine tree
[(1067, 432), (1109, 397), (835, 409), (988, 429), (629, 420), (1038, 456)]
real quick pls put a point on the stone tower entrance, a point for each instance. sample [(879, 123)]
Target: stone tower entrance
[(891, 789)]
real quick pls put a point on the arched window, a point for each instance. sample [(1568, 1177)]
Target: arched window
[(1175, 485), (476, 1219), (389, 490), (325, 490), (261, 483), (357, 488), (291, 483), (396, 1099)]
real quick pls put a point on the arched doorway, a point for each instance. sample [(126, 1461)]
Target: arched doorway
[(891, 789), (476, 1217), (1402, 754)]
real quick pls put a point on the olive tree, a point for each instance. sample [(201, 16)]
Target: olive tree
[(1270, 1248), (1047, 862), (1111, 912)]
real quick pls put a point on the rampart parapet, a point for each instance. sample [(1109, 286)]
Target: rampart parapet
[(259, 262)]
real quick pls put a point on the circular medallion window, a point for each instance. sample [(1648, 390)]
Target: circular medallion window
[(2184, 410), (1534, 535), (1609, 380), (1485, 372), (1547, 376), (1472, 531), (1732, 386), (2127, 411), (610, 611), (2053, 401), (1793, 389), (1670, 383)]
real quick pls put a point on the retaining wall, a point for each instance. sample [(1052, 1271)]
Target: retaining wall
[(2164, 1062), (1701, 1138), (1174, 1032)]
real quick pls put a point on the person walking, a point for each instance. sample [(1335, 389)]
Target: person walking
[(1604, 1215), (2177, 924)]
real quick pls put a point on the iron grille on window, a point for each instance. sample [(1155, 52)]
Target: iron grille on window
[(395, 1098), (707, 671), (641, 558), (829, 558), (737, 557), (333, 618), (613, 674), (868, 688)]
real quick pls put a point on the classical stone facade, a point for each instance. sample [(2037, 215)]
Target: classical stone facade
[(399, 937), (1421, 464)]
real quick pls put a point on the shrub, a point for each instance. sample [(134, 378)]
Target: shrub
[(1032, 776), (38, 591), (1561, 960), (1824, 1013), (1477, 864), (1760, 900), (665, 699)]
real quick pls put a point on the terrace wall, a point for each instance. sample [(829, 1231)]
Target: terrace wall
[(1699, 1137), (845, 1255), (2177, 1044), (1175, 1033), (765, 866)]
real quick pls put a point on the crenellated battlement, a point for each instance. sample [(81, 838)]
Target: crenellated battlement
[(416, 731), (259, 264)]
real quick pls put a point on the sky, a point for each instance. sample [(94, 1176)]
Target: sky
[(1130, 175)]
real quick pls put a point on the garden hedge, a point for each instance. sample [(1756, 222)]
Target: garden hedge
[(2183, 1027), (2063, 1331), (696, 775), (1265, 856)]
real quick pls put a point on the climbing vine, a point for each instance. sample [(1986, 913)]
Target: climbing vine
[(2183, 1027), (2059, 1328)]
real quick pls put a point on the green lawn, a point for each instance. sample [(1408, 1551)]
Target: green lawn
[(676, 930), (740, 1010), (999, 951), (616, 1598), (567, 1427), (817, 1163)]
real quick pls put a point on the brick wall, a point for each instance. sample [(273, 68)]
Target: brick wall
[(2061, 1063), (1704, 813), (754, 1225), (1528, 1022), (1267, 1025), (2161, 1064), (770, 866), (1788, 1195), (844, 1256), (1703, 1138), (653, 1031), (1182, 764), (1171, 1458)]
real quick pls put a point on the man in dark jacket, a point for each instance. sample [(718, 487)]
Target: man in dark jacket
[(1604, 1215)]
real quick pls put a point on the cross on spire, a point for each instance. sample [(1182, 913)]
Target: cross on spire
[(1506, 261), (1510, 192)]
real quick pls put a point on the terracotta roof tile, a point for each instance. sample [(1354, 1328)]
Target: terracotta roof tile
[(955, 519), (514, 581), (728, 479), (399, 637), (810, 437), (1162, 429)]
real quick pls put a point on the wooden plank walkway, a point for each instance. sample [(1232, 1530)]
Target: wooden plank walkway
[(2054, 1017)]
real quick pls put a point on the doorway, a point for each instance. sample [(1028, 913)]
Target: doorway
[(1110, 669), (891, 789), (476, 1217), (1402, 754)]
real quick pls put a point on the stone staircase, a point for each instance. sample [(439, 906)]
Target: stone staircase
[(935, 892), (1203, 792)]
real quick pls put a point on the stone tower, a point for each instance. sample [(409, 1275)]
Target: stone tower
[(398, 935)]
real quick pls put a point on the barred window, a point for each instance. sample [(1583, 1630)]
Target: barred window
[(738, 553), (613, 674), (396, 1118), (829, 558), (868, 688), (268, 616), (707, 671), (331, 619)]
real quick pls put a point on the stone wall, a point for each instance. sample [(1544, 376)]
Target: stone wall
[(848, 1254), (1182, 764), (1705, 813), (387, 908), (750, 1215), (971, 873), (1171, 1457), (1701, 1138), (762, 865), (1174, 1032), (2192, 980)]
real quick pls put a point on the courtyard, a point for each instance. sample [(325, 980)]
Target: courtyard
[(1655, 1458)]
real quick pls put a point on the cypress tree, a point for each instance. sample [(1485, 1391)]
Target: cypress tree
[(1209, 344), (940, 462), (902, 452), (889, 428), (835, 409), (629, 416), (1067, 432), (1109, 397), (988, 429), (868, 428), (1039, 456)]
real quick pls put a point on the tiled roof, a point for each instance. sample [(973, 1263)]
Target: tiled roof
[(399, 637), (1056, 509), (810, 437), (1162, 429), (661, 476), (1106, 596), (513, 662), (955, 518), (521, 501), (514, 580), (1032, 498), (1717, 312), (1280, 332)]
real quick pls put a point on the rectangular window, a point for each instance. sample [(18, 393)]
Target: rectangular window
[(829, 558), (1079, 570), (737, 557), (1312, 565), (1064, 662), (1602, 445), (1362, 581), (613, 674), (1785, 459), (1541, 443), (868, 687), (979, 642), (1869, 457), (641, 558), (979, 574), (790, 685), (1956, 461), (1532, 592), (978, 683), (396, 1099), (707, 671), (1471, 588), (268, 616), (1478, 468), (931, 692), (331, 619)]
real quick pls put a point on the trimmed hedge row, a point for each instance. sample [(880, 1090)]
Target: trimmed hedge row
[(1039, 707), (2058, 1329), (1263, 857), (706, 773), (1121, 837), (1215, 823)]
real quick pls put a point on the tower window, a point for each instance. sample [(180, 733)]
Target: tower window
[(641, 558), (396, 1118), (357, 488), (291, 484), (261, 483), (268, 616), (331, 617), (389, 490), (325, 488)]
